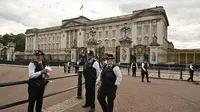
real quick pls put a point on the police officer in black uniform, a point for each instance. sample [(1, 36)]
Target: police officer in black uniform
[(191, 71), (108, 81), (90, 72), (37, 82), (144, 71)]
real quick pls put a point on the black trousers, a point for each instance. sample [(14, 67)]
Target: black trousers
[(143, 75), (191, 77), (108, 91), (35, 94), (90, 91), (76, 69), (134, 71), (69, 69)]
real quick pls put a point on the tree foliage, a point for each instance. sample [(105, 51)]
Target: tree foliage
[(19, 39)]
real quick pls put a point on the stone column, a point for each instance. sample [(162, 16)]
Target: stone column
[(154, 50), (10, 51), (125, 43)]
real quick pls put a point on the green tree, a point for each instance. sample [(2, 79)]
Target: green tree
[(19, 39)]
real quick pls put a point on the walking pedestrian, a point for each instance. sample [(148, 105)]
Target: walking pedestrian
[(38, 72), (191, 72), (134, 67), (108, 81), (69, 65), (90, 72), (144, 71)]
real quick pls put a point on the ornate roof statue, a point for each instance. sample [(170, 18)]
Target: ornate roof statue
[(92, 41), (154, 42), (125, 40)]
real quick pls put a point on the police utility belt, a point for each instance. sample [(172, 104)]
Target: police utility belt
[(39, 82)]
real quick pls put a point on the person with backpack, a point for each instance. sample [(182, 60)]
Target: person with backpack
[(38, 73), (108, 81), (91, 71)]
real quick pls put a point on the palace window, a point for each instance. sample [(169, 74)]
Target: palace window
[(154, 29), (45, 46), (106, 34), (113, 43), (57, 45), (42, 46), (53, 46), (114, 33), (139, 40), (99, 34), (139, 30), (106, 43), (146, 29), (146, 40), (38, 47)]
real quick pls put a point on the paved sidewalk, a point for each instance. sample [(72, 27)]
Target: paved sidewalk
[(157, 96)]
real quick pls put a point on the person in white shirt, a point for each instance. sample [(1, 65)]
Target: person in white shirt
[(144, 71), (191, 71), (108, 81), (38, 72), (91, 71)]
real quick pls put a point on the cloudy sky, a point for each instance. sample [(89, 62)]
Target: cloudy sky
[(18, 15)]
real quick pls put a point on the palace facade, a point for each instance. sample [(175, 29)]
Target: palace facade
[(140, 35)]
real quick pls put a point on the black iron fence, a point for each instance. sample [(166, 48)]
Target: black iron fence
[(78, 87)]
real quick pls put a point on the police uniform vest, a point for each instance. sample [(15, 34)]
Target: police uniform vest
[(89, 70), (108, 76), (39, 80)]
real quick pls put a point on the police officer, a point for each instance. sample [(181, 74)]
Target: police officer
[(90, 72), (109, 79), (69, 65), (37, 81), (144, 71), (191, 71), (134, 68)]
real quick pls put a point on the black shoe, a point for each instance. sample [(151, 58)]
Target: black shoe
[(148, 81), (142, 81), (85, 106), (92, 110)]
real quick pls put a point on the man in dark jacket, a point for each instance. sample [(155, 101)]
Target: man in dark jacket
[(90, 72)]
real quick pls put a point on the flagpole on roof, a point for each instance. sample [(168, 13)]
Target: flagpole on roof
[(82, 9)]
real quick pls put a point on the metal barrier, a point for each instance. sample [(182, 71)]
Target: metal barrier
[(78, 86), (171, 73)]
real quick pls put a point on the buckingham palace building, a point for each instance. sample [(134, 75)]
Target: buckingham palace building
[(140, 35)]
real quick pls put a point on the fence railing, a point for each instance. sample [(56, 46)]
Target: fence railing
[(78, 87), (171, 73)]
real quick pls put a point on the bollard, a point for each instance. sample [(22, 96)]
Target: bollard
[(79, 91), (128, 70), (181, 75), (159, 73)]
